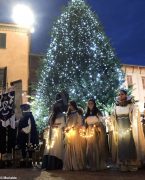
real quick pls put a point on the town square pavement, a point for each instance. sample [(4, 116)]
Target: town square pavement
[(37, 174)]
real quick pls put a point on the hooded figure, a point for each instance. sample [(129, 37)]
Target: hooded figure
[(27, 134), (54, 147), (128, 142)]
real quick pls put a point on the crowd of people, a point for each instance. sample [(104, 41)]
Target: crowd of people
[(79, 140)]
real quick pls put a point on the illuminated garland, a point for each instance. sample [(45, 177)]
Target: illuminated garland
[(70, 131), (85, 134), (124, 133), (50, 143)]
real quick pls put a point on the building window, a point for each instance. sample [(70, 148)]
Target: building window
[(3, 77), (143, 82), (129, 80), (2, 40)]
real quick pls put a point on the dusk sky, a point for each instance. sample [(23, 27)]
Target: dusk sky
[(123, 22)]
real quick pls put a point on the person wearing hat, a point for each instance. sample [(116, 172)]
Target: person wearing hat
[(27, 135), (128, 142)]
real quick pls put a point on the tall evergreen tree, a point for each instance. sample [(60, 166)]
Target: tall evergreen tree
[(79, 60)]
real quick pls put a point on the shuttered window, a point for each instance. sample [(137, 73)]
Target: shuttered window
[(2, 40), (143, 82), (129, 80), (3, 76)]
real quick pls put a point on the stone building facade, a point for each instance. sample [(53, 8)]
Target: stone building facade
[(135, 77), (14, 57)]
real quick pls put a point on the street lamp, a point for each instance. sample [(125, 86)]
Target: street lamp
[(23, 16)]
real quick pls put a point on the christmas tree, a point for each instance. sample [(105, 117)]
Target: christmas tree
[(79, 60)]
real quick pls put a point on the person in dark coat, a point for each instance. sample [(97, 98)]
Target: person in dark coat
[(27, 135)]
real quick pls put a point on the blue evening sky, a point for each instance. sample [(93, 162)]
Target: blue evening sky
[(123, 21)]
